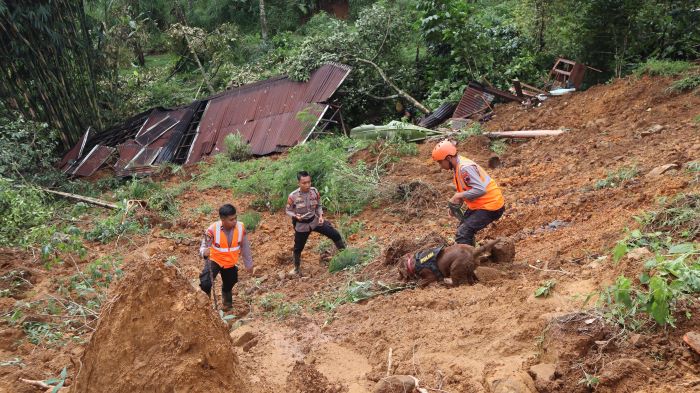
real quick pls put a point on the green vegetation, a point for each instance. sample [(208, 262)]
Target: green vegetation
[(274, 305), (474, 129), (617, 178), (272, 180), (237, 149), (352, 292), (24, 210), (545, 289), (498, 146), (689, 83), (250, 220), (670, 277), (350, 257), (655, 67)]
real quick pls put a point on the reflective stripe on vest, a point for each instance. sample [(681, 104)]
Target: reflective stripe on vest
[(220, 252), (491, 200), (217, 238)]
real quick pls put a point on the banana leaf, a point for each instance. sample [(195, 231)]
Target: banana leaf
[(395, 129)]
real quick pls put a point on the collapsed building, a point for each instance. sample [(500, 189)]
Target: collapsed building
[(271, 116)]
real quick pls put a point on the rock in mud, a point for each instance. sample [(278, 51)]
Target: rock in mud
[(397, 384), (543, 371), (242, 335), (503, 251), (623, 375), (660, 170), (639, 254), (159, 333), (516, 383), (693, 341)]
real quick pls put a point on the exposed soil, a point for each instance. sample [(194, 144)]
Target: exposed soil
[(158, 334), (480, 338)]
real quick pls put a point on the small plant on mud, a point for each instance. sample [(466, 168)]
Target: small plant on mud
[(58, 382), (667, 281), (617, 178), (274, 304), (474, 129), (545, 288), (351, 257), (237, 149), (688, 83), (498, 146), (589, 380), (205, 209), (250, 220), (678, 216)]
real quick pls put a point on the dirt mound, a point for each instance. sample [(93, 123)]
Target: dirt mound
[(157, 334), (416, 198), (305, 378), (404, 245), (503, 251)]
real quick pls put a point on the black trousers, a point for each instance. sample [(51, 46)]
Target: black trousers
[(473, 222), (326, 229), (229, 277)]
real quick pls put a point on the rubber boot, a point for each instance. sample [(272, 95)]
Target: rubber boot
[(297, 264), (340, 245), (227, 298)]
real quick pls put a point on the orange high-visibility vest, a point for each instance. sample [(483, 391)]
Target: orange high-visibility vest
[(220, 252), (492, 200)]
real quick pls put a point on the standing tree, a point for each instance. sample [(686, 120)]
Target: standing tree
[(47, 65), (263, 20)]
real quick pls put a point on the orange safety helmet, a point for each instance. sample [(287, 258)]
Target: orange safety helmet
[(443, 149)]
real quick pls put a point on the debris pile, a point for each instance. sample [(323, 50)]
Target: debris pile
[(158, 333)]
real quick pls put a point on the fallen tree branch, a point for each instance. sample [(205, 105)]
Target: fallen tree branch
[(523, 134), (391, 84), (39, 384), (93, 201)]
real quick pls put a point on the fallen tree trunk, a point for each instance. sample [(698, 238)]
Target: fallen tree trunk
[(523, 134), (391, 84), (93, 201)]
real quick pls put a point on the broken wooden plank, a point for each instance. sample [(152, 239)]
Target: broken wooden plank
[(93, 201), (523, 134)]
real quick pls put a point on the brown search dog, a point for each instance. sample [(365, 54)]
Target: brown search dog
[(456, 262)]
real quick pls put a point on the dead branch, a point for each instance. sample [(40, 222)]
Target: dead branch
[(92, 201), (523, 134), (388, 362), (391, 84), (39, 384)]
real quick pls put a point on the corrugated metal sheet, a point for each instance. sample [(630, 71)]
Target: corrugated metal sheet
[(93, 160), (69, 160), (265, 113), (472, 101)]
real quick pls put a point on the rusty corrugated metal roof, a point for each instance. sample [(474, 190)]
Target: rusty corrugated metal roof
[(473, 101), (265, 113), (93, 160)]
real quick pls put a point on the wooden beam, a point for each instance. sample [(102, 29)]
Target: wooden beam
[(523, 134), (93, 201)]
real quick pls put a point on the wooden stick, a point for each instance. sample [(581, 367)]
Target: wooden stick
[(523, 134), (388, 362), (39, 384), (93, 201)]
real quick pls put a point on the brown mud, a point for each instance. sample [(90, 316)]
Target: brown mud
[(481, 338)]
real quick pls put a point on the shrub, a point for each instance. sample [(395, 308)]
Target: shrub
[(23, 210), (686, 84), (250, 220), (654, 67), (327, 160), (237, 149), (350, 257)]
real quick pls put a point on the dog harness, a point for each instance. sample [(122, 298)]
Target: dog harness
[(426, 259)]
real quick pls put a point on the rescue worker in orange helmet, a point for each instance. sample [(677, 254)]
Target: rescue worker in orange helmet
[(477, 193), (224, 243)]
